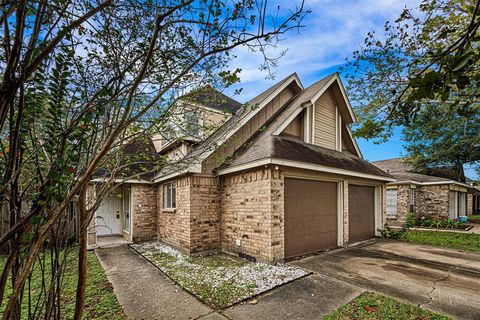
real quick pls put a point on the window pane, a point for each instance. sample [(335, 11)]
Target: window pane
[(169, 196), (174, 196), (391, 203), (461, 203), (165, 196), (453, 201), (126, 208)]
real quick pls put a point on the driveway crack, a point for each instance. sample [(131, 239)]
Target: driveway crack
[(435, 282)]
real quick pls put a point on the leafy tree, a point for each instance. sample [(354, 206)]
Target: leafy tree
[(426, 62), (443, 136), (81, 81)]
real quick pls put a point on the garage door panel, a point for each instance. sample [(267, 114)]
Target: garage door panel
[(310, 216), (361, 203)]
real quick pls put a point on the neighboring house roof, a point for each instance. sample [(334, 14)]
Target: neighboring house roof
[(138, 161), (212, 98), (405, 173)]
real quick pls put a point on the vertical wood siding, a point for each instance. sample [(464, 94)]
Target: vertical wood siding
[(247, 130), (295, 127), (325, 122)]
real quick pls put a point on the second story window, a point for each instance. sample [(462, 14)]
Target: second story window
[(192, 119)]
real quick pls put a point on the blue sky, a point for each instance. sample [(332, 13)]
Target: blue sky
[(332, 32)]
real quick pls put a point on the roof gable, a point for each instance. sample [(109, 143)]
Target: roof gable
[(311, 95), (209, 97), (193, 160)]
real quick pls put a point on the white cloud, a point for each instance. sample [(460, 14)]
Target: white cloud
[(332, 32)]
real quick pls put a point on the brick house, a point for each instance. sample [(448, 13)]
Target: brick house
[(277, 177), (439, 194), (473, 197)]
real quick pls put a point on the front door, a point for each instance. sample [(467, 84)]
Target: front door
[(108, 220)]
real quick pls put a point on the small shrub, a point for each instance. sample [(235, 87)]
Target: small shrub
[(447, 224), (411, 220), (474, 218), (388, 232)]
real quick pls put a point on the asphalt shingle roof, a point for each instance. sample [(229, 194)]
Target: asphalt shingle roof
[(212, 98), (266, 145), (403, 172)]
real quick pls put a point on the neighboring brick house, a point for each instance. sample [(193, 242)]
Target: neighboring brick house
[(473, 197), (440, 194), (281, 177)]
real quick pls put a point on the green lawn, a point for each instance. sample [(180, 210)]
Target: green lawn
[(370, 305), (101, 302), (474, 218), (453, 240)]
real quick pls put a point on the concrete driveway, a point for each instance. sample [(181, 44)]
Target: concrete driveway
[(445, 281)]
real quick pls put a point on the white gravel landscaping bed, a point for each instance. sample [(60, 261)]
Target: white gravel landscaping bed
[(219, 280)]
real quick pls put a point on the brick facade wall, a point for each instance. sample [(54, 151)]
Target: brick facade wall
[(194, 225), (213, 213), (430, 201), (144, 212), (403, 205), (252, 212), (204, 213), (174, 227), (433, 201)]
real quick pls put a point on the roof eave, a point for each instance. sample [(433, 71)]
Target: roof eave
[(302, 165)]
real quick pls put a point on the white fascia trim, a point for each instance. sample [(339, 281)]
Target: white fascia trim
[(302, 165), (290, 118), (261, 106), (121, 180), (162, 148), (345, 97), (196, 168), (354, 141), (252, 114), (342, 90), (429, 183), (322, 90)]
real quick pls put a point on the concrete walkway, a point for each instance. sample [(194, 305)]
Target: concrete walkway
[(144, 291)]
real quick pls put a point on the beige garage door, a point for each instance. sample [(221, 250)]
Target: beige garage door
[(310, 216), (361, 207)]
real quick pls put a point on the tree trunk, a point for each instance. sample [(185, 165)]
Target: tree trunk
[(82, 255)]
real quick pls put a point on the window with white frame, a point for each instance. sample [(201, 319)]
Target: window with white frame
[(453, 204), (392, 203), (169, 196), (126, 207), (411, 200)]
